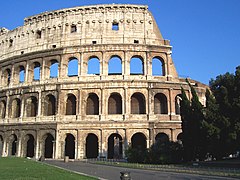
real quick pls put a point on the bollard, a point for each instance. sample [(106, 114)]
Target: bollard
[(125, 175), (66, 159)]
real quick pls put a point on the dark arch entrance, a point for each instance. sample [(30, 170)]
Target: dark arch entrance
[(115, 146), (92, 146), (48, 149), (1, 146), (13, 143), (30, 146), (162, 138), (70, 146), (138, 141)]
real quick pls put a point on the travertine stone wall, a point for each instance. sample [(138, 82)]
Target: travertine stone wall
[(26, 128)]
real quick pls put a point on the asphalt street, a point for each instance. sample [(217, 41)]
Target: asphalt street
[(113, 173)]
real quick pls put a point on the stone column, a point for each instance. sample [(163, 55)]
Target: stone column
[(80, 145), (39, 103), (26, 72), (4, 150), (167, 69), (19, 148), (12, 79), (37, 150), (7, 106), (57, 144), (42, 71), (171, 104)]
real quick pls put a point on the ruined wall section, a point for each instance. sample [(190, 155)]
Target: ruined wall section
[(82, 26)]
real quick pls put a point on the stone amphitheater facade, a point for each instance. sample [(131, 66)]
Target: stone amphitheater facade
[(87, 82)]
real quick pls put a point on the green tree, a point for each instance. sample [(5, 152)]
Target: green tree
[(226, 89)]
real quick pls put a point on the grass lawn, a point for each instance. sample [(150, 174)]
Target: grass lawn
[(22, 168)]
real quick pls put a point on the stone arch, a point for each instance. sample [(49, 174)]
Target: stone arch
[(31, 106), (6, 77), (16, 108), (21, 74), (12, 149), (71, 105), (138, 104), (115, 104), (54, 68), (72, 67), (139, 141), (115, 148), (92, 107), (178, 98), (158, 66), (160, 104), (48, 145), (94, 65), (115, 65), (1, 146), (2, 109), (36, 71), (92, 146), (30, 145), (162, 138), (70, 146), (136, 65), (180, 137), (50, 105)]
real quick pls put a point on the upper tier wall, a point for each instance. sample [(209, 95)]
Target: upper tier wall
[(82, 26)]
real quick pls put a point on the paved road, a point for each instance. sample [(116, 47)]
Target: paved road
[(113, 173)]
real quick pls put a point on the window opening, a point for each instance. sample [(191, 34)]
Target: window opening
[(115, 26), (39, 34), (73, 28)]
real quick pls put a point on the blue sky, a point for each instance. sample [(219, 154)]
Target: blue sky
[(205, 34)]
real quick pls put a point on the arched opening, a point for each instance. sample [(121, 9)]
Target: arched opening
[(21, 74), (160, 104), (54, 69), (177, 104), (13, 145), (138, 141), (16, 108), (138, 105), (92, 146), (36, 71), (48, 149), (94, 66), (1, 146), (73, 67), (92, 104), (115, 104), (70, 146), (31, 106), (2, 109), (50, 106), (7, 77), (162, 138), (136, 66), (30, 145), (71, 105), (115, 146), (158, 67), (115, 66), (180, 137)]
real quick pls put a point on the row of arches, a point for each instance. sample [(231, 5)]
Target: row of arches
[(137, 103), (93, 67), (115, 145), (28, 145)]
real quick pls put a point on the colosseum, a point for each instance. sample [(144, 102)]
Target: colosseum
[(87, 82)]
